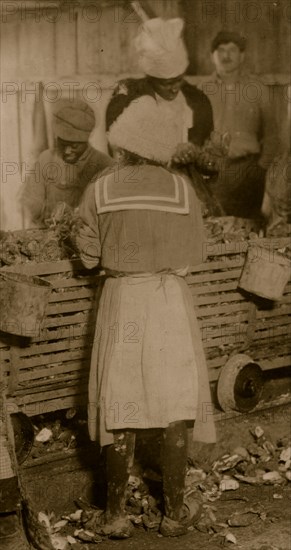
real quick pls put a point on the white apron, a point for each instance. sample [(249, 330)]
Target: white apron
[(147, 365)]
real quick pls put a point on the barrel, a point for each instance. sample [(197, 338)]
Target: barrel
[(23, 301), (266, 272)]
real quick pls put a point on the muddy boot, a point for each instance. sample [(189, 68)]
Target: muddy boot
[(119, 460), (179, 515), (12, 536)]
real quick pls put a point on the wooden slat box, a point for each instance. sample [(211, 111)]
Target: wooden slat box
[(50, 372)]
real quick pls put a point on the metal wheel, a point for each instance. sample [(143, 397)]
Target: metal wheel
[(240, 384)]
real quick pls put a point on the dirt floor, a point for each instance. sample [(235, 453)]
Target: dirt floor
[(55, 483)]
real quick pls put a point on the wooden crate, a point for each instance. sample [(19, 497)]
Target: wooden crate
[(233, 322), (50, 372)]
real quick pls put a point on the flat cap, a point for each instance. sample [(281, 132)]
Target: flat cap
[(224, 37), (73, 120)]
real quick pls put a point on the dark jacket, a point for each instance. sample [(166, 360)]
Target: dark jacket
[(131, 89)]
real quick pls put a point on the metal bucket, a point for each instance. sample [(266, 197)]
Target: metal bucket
[(23, 300), (265, 273)]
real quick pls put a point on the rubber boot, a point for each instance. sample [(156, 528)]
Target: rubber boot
[(12, 536), (119, 461), (174, 461), (182, 509)]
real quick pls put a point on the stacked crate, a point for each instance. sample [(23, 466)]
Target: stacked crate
[(50, 372), (232, 321)]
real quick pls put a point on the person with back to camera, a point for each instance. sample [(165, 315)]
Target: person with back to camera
[(142, 223)]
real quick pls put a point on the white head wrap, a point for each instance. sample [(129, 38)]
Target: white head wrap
[(142, 129), (160, 48)]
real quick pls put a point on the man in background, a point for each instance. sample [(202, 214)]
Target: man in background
[(242, 111), (62, 173)]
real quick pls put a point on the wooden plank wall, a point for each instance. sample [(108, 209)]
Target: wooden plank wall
[(97, 39), (67, 48), (90, 39)]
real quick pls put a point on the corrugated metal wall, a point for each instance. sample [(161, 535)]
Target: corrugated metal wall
[(85, 48)]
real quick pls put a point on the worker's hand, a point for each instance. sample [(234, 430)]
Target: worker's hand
[(61, 213), (185, 153), (208, 163)]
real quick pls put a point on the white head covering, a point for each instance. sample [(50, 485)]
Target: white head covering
[(161, 49), (142, 129)]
